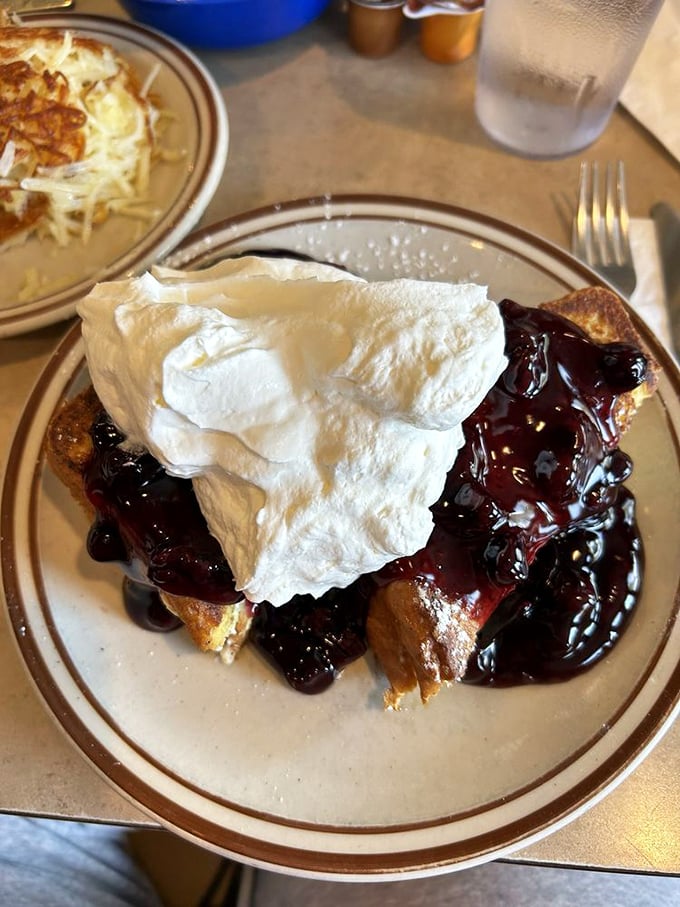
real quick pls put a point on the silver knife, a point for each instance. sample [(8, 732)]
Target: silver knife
[(667, 222)]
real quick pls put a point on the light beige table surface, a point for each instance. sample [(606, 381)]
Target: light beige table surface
[(310, 117)]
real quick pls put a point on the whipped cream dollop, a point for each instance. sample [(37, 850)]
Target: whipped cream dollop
[(317, 414)]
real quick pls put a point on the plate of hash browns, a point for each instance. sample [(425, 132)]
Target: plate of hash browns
[(113, 139)]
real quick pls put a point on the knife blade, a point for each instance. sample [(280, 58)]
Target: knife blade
[(667, 223)]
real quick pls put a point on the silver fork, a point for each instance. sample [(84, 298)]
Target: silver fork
[(600, 235)]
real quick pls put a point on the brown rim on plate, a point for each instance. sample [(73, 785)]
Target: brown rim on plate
[(356, 864)]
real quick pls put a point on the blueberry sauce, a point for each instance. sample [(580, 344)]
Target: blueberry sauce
[(312, 640), (150, 522), (143, 604), (534, 532), (540, 456), (575, 605)]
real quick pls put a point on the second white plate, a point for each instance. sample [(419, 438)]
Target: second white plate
[(180, 191)]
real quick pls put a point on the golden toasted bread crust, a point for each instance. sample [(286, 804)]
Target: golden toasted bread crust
[(420, 637), (213, 627), (68, 443), (597, 311)]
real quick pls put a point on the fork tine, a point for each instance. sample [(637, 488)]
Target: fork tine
[(581, 236), (598, 227), (611, 218), (624, 219)]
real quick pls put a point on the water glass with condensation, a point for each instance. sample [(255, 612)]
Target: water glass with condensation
[(551, 71)]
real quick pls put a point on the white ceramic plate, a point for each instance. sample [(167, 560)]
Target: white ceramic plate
[(180, 191), (333, 786)]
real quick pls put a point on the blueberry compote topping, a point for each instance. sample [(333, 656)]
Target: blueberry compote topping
[(534, 533), (540, 456), (576, 603), (143, 604), (312, 640), (151, 522)]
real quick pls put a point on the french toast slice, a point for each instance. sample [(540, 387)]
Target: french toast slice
[(600, 313), (422, 636), (214, 627)]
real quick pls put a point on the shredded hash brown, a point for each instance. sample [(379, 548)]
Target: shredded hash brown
[(77, 134)]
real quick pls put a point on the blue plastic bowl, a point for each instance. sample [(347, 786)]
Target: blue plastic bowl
[(224, 24)]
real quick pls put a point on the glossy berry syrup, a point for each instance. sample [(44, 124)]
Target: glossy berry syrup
[(577, 602), (143, 604), (540, 457), (534, 534), (311, 640), (151, 522)]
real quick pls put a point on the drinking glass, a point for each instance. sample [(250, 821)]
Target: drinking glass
[(551, 71)]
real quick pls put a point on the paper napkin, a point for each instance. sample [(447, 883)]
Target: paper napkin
[(652, 90), (648, 298)]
